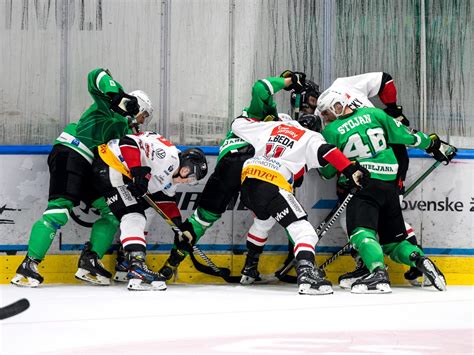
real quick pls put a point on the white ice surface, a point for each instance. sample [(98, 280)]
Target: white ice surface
[(222, 319)]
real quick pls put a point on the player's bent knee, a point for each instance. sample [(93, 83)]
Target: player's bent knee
[(302, 232), (133, 223), (361, 236), (56, 218)]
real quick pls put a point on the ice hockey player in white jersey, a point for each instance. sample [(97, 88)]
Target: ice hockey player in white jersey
[(129, 168), (282, 149)]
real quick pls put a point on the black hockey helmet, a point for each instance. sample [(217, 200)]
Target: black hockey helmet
[(311, 122), (196, 161), (311, 90)]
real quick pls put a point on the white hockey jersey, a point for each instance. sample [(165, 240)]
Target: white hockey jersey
[(282, 149), (154, 151)]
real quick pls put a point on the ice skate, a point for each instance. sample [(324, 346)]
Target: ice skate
[(140, 277), (170, 269), (429, 269), (375, 282), (121, 267), (310, 280), (27, 274), (90, 269), (346, 280), (416, 278), (282, 272), (250, 272)]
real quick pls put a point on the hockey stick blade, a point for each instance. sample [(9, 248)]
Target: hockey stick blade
[(219, 272), (14, 308), (407, 192)]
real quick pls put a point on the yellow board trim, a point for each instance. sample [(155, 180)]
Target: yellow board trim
[(270, 176), (61, 268)]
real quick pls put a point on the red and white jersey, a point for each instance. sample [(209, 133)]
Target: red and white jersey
[(283, 148), (152, 150), (362, 87)]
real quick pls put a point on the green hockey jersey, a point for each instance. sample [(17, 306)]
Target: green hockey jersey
[(261, 106), (98, 124), (363, 136)]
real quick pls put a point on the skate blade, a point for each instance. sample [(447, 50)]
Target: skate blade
[(363, 289), (306, 289), (86, 276), (347, 283), (22, 281), (417, 283), (139, 285), (247, 280), (262, 280), (438, 281), (120, 276)]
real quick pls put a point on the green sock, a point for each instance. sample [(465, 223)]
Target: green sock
[(400, 252), (44, 230), (104, 229), (365, 242), (41, 237)]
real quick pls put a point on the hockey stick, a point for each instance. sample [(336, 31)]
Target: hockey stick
[(407, 192), (297, 105), (14, 308), (288, 264), (321, 230), (421, 178), (211, 269)]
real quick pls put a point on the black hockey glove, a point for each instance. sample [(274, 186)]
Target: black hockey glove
[(357, 176), (141, 177), (132, 105), (187, 239), (298, 80), (440, 150), (396, 111), (124, 104)]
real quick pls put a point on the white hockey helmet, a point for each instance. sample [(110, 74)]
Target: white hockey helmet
[(145, 104), (328, 101)]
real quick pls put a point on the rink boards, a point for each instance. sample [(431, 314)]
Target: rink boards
[(440, 211)]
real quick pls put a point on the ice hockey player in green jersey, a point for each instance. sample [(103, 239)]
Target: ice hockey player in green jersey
[(363, 135), (224, 183), (111, 115)]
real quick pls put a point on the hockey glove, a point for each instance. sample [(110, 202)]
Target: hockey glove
[(124, 104), (141, 177), (298, 80), (357, 176), (440, 150), (396, 111), (132, 105), (187, 239)]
